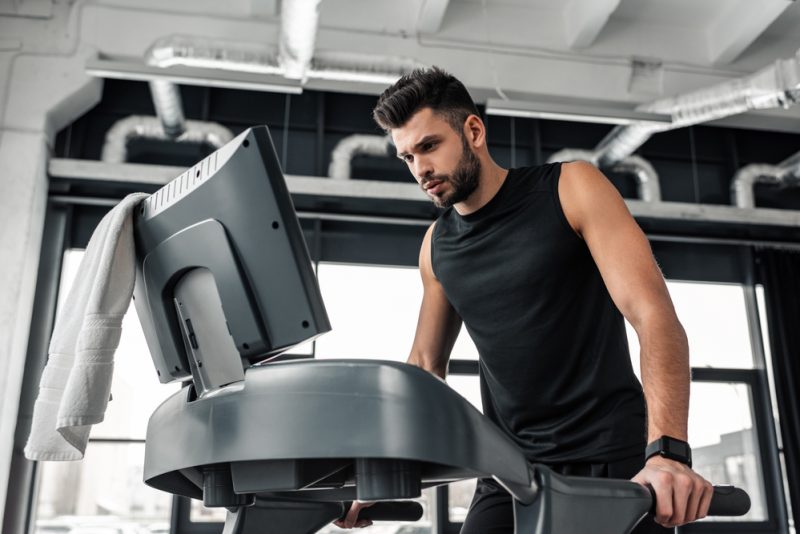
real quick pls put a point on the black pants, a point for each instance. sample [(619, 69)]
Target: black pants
[(491, 511)]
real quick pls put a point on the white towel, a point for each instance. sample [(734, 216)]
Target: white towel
[(76, 383)]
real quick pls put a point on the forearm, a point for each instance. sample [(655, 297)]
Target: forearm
[(432, 365), (666, 376)]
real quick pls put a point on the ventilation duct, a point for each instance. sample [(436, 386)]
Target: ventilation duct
[(115, 148), (352, 146), (742, 186), (773, 86), (365, 68), (213, 54), (299, 21), (247, 57), (201, 53), (647, 184)]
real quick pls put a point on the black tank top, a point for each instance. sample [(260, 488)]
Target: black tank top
[(555, 371)]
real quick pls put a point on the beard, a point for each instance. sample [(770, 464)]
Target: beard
[(463, 181)]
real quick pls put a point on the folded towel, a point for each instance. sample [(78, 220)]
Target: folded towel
[(76, 382)]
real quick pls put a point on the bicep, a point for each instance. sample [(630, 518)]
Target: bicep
[(618, 246)]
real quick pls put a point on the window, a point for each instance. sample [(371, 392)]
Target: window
[(373, 311), (723, 408), (715, 319), (725, 448), (107, 493)]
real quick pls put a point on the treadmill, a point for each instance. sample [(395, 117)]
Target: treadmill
[(224, 286)]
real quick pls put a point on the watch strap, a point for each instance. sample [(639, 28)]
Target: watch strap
[(670, 448)]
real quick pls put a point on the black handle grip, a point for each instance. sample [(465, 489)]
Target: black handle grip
[(388, 511), (729, 500)]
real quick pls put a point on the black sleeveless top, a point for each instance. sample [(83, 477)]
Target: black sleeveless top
[(555, 371)]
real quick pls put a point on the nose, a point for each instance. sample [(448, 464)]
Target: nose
[(424, 168)]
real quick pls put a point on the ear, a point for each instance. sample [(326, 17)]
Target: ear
[(475, 131)]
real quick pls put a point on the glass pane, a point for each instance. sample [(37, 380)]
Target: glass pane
[(468, 387), (424, 526), (105, 494), (373, 311), (459, 497), (306, 348), (715, 319), (198, 513), (464, 347), (725, 448)]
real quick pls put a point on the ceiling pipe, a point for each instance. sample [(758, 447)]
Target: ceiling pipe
[(646, 177), (204, 53), (352, 146), (200, 53), (181, 50), (365, 68), (743, 184), (647, 184), (777, 85), (299, 23), (115, 148)]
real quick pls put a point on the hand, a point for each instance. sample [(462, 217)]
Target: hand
[(351, 519), (682, 496)]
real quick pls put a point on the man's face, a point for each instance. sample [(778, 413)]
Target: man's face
[(440, 158)]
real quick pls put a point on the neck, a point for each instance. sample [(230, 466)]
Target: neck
[(491, 178)]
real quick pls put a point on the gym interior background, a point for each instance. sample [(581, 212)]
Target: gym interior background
[(93, 94)]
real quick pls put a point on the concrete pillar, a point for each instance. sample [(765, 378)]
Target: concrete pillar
[(44, 93)]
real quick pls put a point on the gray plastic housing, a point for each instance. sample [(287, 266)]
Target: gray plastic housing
[(297, 428), (232, 214), (335, 430)]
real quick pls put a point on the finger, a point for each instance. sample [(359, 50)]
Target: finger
[(363, 523), (693, 506), (705, 501), (681, 491), (663, 489)]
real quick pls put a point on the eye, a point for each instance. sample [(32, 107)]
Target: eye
[(428, 146), (408, 158)]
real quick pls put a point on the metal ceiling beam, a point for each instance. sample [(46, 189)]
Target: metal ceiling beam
[(585, 18), (132, 70), (738, 25), (373, 189), (574, 111)]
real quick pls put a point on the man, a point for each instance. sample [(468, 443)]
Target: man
[(538, 263)]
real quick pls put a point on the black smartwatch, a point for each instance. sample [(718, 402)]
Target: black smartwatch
[(671, 448)]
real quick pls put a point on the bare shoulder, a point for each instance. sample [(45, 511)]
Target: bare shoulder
[(585, 193), (578, 177), (425, 264)]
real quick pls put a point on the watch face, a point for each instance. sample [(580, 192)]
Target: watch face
[(676, 447)]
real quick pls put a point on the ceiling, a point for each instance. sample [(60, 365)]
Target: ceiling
[(588, 51)]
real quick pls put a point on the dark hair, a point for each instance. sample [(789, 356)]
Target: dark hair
[(432, 88)]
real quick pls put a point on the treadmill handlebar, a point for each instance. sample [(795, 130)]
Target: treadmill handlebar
[(727, 501)]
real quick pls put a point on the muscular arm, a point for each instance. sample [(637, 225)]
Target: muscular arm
[(622, 253), (597, 212), (438, 324)]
